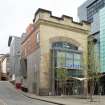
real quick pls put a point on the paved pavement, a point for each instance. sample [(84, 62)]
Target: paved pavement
[(9, 96), (69, 100)]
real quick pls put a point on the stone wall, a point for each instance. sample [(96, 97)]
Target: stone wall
[(33, 69)]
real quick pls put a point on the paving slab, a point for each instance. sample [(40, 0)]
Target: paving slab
[(68, 100)]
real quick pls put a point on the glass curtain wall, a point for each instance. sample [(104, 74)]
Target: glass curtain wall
[(102, 49), (67, 65), (102, 39), (94, 8)]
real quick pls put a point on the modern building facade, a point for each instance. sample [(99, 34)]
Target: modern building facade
[(102, 39), (92, 11), (89, 11), (14, 43), (55, 50), (102, 47), (90, 8)]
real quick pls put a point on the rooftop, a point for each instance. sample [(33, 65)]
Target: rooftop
[(40, 11)]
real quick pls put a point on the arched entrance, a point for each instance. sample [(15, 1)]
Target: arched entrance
[(66, 65)]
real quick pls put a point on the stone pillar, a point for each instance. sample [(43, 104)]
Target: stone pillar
[(44, 74)]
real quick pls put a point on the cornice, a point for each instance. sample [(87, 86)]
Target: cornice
[(63, 26)]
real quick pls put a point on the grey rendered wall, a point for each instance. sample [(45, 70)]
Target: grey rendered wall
[(33, 68), (15, 56)]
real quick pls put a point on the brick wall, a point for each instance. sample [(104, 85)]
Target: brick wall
[(29, 45)]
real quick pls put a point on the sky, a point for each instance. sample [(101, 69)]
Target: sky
[(16, 15)]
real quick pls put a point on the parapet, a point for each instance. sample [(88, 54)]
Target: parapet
[(42, 14)]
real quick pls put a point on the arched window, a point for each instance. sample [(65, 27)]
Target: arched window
[(67, 55), (64, 45)]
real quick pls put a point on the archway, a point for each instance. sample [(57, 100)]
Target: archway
[(66, 63)]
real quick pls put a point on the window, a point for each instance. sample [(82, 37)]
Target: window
[(77, 61), (37, 38), (94, 8), (64, 45), (69, 60), (60, 59)]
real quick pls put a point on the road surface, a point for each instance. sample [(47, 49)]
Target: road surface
[(8, 96)]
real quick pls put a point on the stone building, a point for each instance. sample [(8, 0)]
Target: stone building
[(54, 45), (4, 66), (1, 59)]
